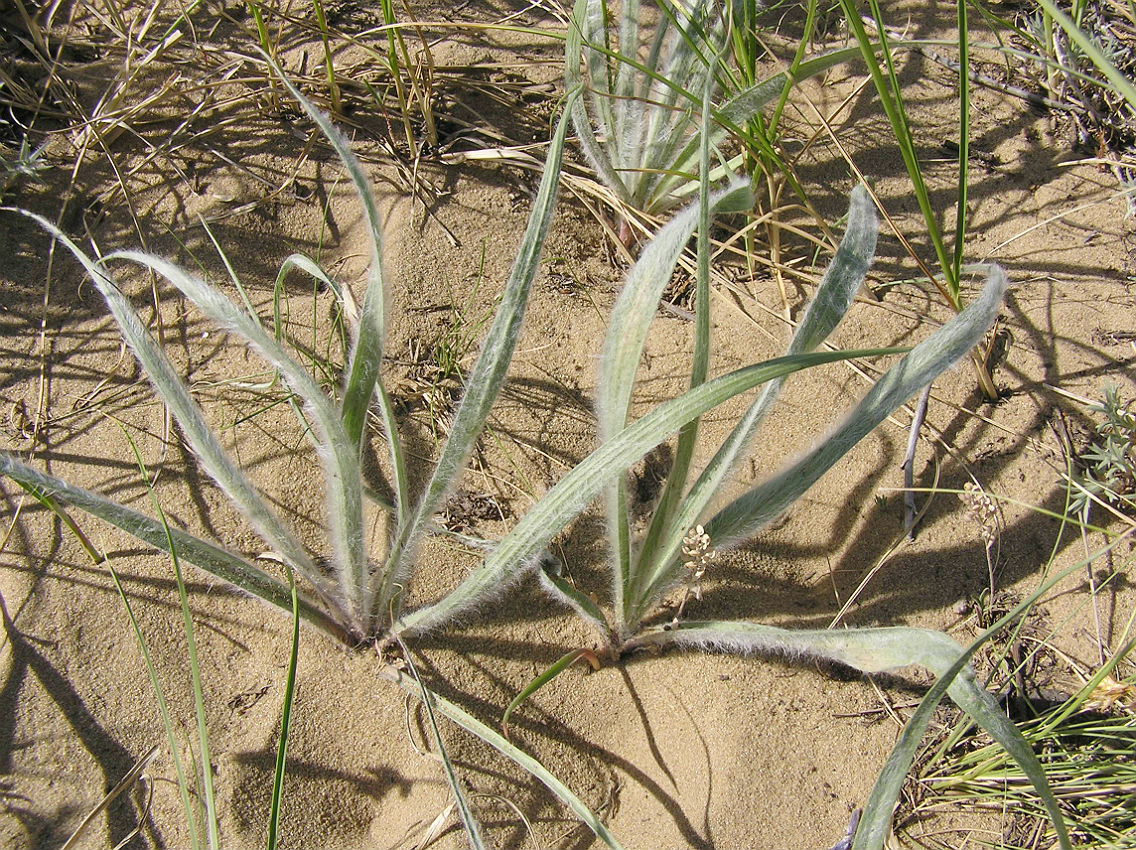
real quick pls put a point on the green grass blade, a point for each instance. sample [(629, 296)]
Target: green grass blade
[(485, 380), (233, 277), (877, 651), (211, 827), (807, 33), (558, 587), (516, 755), (555, 669), (200, 553), (518, 550), (889, 91), (749, 512), (834, 296), (875, 822), (963, 140), (732, 116), (472, 827), (99, 559), (309, 267), (328, 57), (285, 721)]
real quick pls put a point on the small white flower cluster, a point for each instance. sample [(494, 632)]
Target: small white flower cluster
[(982, 509), (698, 554)]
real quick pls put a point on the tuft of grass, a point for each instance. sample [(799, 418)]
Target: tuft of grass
[(1087, 744), (24, 164), (1087, 53), (639, 125)]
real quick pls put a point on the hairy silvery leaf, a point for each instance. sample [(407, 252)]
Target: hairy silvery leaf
[(923, 364), (879, 650), (659, 557)]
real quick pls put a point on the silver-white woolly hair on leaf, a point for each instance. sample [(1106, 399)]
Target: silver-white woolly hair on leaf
[(748, 513)]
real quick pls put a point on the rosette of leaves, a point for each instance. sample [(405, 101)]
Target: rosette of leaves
[(361, 600)]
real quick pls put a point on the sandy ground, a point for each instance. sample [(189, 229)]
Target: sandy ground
[(672, 750)]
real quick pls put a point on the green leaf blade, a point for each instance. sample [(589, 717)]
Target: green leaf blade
[(922, 364)]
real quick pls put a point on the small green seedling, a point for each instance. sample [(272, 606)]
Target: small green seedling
[(1109, 464)]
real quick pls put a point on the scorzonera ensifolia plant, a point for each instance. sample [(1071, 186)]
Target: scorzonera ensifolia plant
[(361, 601), (353, 594), (646, 78)]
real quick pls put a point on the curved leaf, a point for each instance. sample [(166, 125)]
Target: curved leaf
[(876, 651), (952, 341)]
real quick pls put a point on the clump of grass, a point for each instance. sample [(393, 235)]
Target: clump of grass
[(23, 164), (1086, 744), (639, 124)]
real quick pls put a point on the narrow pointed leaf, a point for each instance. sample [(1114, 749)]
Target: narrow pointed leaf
[(627, 333), (172, 390), (555, 669), (487, 376), (200, 553), (732, 116), (944, 347), (363, 384), (558, 587), (516, 755), (339, 456), (585, 24), (676, 482)]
